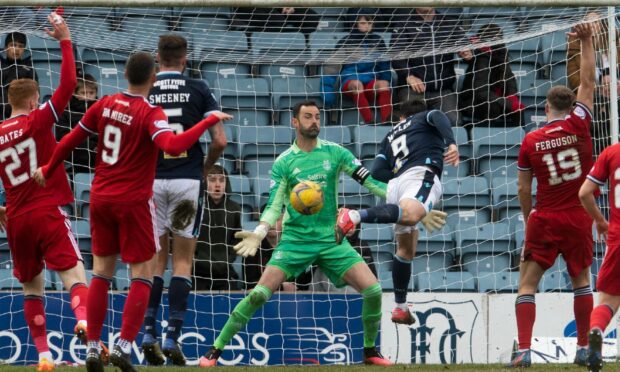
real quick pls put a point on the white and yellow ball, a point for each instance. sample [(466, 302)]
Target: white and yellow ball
[(307, 197)]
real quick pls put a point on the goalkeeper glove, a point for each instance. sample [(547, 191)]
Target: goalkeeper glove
[(434, 220), (250, 241)]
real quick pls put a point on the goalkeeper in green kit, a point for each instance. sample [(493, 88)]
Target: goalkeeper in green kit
[(308, 239)]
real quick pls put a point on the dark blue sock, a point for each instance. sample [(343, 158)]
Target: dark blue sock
[(401, 273), (385, 213), (177, 305), (150, 318)]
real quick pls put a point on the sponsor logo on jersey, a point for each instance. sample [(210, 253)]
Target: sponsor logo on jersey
[(357, 162), (161, 124), (272, 183), (580, 112)]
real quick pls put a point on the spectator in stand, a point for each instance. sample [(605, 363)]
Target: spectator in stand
[(248, 20), (14, 65), (213, 268), (600, 129), (489, 93), (82, 160), (369, 77), (431, 77)]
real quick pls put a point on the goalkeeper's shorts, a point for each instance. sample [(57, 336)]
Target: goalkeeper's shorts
[(334, 260)]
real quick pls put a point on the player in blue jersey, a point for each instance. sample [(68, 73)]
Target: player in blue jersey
[(178, 193), (410, 159)]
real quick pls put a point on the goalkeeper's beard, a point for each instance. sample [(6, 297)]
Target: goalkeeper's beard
[(310, 133)]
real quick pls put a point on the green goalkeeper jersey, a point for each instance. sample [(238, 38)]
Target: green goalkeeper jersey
[(322, 165)]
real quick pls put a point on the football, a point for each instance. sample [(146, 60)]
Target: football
[(307, 197)]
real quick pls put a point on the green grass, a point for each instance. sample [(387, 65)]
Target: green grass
[(354, 368)]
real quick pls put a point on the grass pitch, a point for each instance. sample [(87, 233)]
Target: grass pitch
[(353, 368)]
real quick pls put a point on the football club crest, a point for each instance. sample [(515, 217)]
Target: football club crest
[(327, 165)]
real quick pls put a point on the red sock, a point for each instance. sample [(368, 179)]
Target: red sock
[(526, 315), (97, 306), (35, 318), (135, 308), (601, 316), (79, 296), (362, 105), (582, 307), (385, 104)]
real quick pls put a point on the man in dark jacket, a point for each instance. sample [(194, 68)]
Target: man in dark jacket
[(431, 77), (13, 65), (214, 253)]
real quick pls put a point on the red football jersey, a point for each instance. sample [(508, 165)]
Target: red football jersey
[(26, 143), (126, 153), (607, 167), (559, 155)]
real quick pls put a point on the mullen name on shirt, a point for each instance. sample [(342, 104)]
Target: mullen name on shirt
[(556, 142), (117, 116)]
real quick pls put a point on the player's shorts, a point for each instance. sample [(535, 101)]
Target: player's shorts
[(334, 260), (125, 228), (608, 280), (168, 193), (418, 183), (42, 235), (549, 234)]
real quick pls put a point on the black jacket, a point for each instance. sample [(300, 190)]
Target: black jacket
[(83, 157), (435, 70), (9, 71)]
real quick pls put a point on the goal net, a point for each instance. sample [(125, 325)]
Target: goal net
[(488, 68)]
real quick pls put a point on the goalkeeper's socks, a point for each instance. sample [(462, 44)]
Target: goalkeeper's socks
[(385, 213), (79, 298), (97, 306), (371, 313), (177, 299), (525, 308), (242, 314), (135, 307), (35, 318), (601, 316), (401, 274), (582, 307), (150, 319)]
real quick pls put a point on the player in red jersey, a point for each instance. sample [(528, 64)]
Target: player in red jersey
[(38, 230), (606, 169), (558, 155), (122, 214)]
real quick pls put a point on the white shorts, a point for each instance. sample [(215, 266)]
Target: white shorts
[(417, 183), (168, 193)]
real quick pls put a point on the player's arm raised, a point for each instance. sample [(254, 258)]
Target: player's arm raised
[(175, 144), (216, 147), (585, 92), (440, 121), (586, 195), (354, 169)]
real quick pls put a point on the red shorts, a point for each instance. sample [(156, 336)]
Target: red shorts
[(125, 228), (549, 234), (42, 235), (608, 279)]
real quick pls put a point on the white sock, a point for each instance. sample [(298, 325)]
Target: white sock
[(402, 306), (94, 345), (355, 216), (124, 345), (46, 355)]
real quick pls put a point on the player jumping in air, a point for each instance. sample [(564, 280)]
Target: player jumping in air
[(39, 231), (308, 239), (606, 169), (122, 215), (410, 158), (178, 193), (558, 155)]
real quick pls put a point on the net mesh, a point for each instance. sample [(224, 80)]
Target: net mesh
[(260, 62)]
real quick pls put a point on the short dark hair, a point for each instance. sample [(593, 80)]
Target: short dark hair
[(560, 98), (171, 49), (297, 107), (217, 169), (16, 37), (412, 106), (140, 67), (86, 80), (490, 31)]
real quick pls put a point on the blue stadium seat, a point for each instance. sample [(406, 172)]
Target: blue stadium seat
[(331, 24), (287, 92), (81, 231), (367, 139), (501, 143), (107, 68), (461, 281), (554, 46), (534, 118), (597, 262), (504, 191), (261, 188), (508, 26), (558, 73), (212, 71), (202, 24), (82, 183), (435, 251), (42, 49), (49, 77), (599, 247), (249, 118), (352, 195), (498, 167), (484, 248), (242, 93), (212, 45), (222, 11), (8, 281), (258, 167), (526, 75), (465, 193), (385, 279), (122, 278), (277, 43), (376, 233), (527, 51), (337, 134), (284, 119), (556, 278), (536, 95), (281, 71), (52, 281), (498, 282), (460, 216), (146, 30), (231, 152), (268, 141), (241, 191), (350, 115), (321, 42)]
